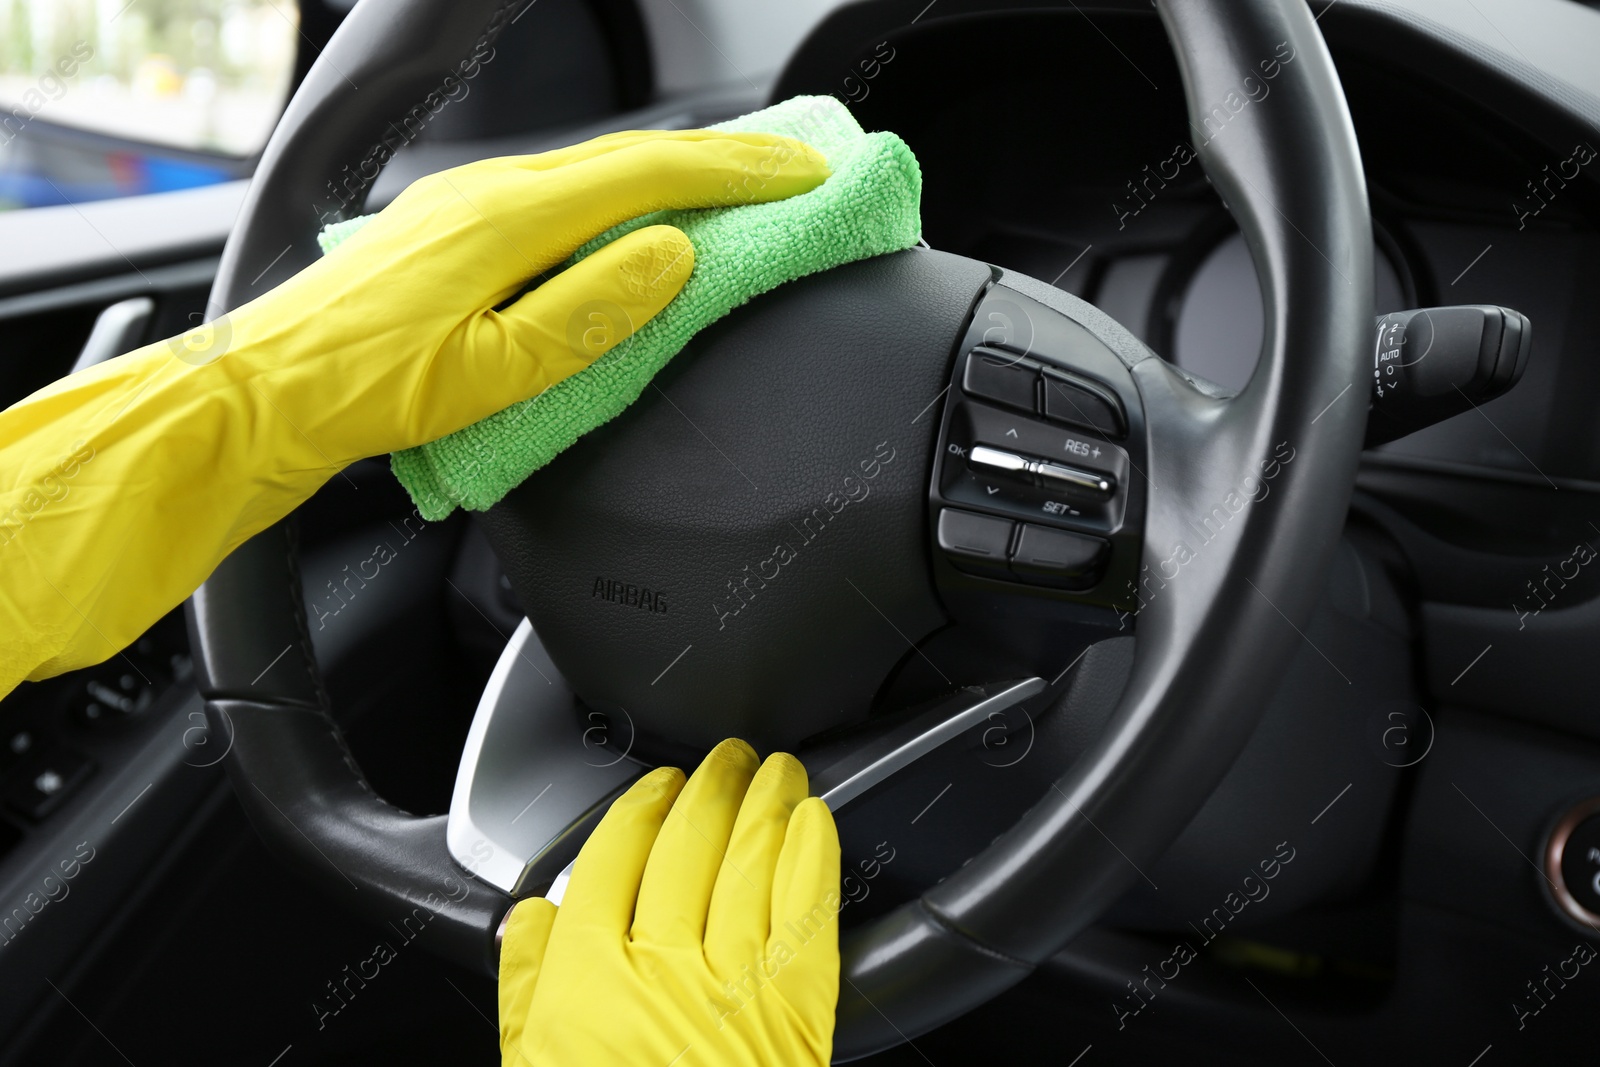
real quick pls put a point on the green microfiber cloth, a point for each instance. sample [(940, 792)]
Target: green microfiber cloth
[(869, 206)]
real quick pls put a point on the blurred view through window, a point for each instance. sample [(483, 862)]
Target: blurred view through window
[(103, 98)]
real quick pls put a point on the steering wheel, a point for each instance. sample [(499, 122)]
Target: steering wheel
[(868, 412)]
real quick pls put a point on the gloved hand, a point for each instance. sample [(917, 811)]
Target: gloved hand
[(123, 486), (697, 932)]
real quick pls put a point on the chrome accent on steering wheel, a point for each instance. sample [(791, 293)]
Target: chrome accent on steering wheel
[(529, 771), (864, 767)]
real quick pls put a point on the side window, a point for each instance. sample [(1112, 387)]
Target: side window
[(108, 98)]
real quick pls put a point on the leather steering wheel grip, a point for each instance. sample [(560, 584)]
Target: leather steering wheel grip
[(371, 90), (1210, 645)]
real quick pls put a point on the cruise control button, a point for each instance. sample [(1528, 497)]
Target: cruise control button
[(1041, 472), (975, 543), (1056, 557), (1057, 476), (1068, 398), (994, 461), (1001, 377)]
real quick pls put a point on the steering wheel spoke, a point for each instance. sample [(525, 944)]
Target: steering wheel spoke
[(851, 767), (535, 777)]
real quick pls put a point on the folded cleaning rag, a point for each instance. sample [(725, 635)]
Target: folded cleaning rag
[(869, 206)]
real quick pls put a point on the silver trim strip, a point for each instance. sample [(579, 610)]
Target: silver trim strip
[(558, 888), (529, 768), (850, 777), (875, 761)]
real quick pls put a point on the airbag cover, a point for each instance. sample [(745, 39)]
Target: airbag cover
[(743, 551)]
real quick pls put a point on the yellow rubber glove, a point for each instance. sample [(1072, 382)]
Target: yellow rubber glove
[(701, 932), (123, 486)]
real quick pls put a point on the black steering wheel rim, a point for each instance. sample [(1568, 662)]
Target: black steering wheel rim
[(1208, 648)]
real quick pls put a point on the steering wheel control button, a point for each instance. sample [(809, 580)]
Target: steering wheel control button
[(46, 784), (977, 544), (1057, 557), (994, 461), (1071, 399), (1572, 863), (1002, 378), (1057, 476), (1042, 441), (1040, 472)]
